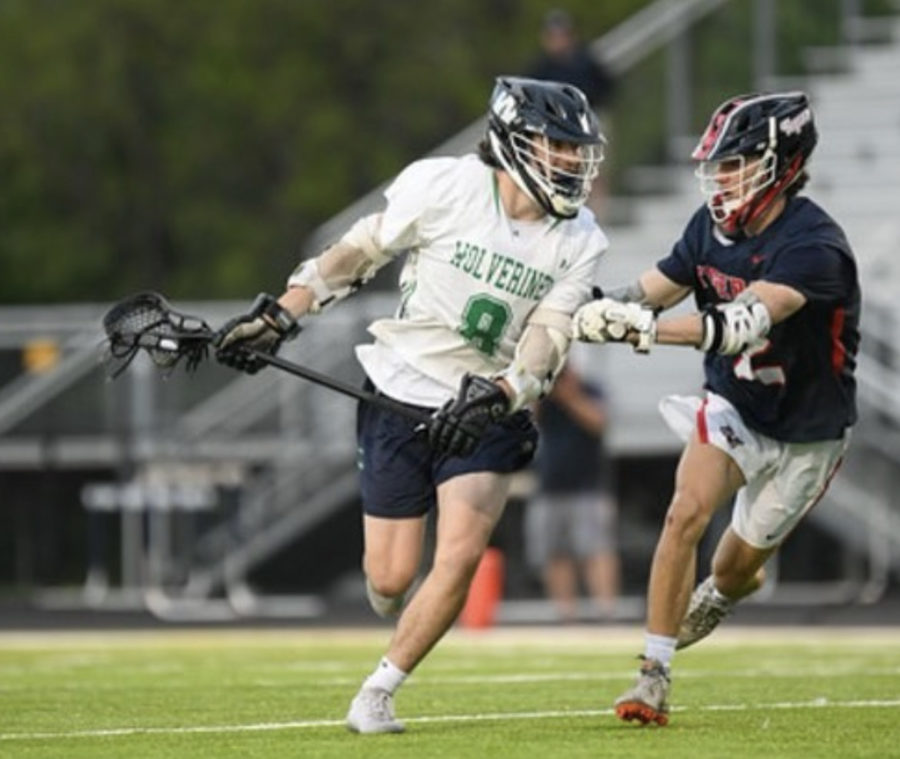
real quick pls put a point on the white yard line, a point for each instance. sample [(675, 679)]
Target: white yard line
[(818, 703), (521, 678), (604, 638)]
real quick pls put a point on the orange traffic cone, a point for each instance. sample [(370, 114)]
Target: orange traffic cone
[(485, 592)]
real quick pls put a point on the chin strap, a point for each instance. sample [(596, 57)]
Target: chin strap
[(758, 206)]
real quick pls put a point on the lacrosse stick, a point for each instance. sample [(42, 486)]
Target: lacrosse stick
[(147, 321)]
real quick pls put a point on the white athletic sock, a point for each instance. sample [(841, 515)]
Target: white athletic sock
[(386, 676), (659, 647)]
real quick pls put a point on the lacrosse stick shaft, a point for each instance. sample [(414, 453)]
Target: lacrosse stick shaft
[(337, 385)]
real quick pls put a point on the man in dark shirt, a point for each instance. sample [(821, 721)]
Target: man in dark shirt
[(564, 58), (778, 301), (570, 523)]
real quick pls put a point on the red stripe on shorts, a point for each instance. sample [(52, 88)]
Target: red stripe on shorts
[(702, 429)]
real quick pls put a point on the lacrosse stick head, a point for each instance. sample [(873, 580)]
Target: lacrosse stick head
[(147, 321)]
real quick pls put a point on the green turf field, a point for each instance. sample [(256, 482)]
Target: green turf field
[(504, 693)]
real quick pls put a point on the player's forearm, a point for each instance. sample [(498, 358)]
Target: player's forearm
[(686, 329), (298, 300), (339, 271), (329, 277), (539, 356), (659, 291)]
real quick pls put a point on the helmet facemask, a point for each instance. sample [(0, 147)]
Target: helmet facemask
[(732, 185), (753, 149), (545, 136), (559, 172)]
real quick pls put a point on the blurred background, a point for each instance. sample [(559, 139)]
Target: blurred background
[(201, 149)]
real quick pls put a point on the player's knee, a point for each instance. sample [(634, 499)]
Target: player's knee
[(687, 516), (387, 606), (389, 581)]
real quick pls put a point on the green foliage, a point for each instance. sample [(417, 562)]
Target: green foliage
[(192, 146)]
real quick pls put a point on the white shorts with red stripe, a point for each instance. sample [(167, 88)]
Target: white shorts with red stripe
[(783, 480)]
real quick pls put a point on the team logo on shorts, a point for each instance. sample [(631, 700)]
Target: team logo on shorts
[(731, 436)]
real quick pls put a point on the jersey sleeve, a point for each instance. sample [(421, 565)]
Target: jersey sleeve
[(409, 197), (573, 288), (679, 265), (819, 273)]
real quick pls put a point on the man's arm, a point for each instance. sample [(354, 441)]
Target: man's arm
[(652, 288), (457, 426), (337, 272), (660, 292), (726, 328), (779, 301), (628, 313), (540, 354)]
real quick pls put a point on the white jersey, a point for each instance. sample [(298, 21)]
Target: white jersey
[(472, 277)]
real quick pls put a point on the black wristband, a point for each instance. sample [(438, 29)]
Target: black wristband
[(282, 319), (713, 329)]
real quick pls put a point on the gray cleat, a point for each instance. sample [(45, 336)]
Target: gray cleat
[(372, 711), (704, 614), (646, 700)]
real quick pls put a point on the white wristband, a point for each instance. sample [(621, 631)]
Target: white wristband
[(525, 386)]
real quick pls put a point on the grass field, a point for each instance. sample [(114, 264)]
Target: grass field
[(504, 693)]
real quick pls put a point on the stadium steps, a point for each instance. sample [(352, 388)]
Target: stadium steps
[(854, 175), (299, 437)]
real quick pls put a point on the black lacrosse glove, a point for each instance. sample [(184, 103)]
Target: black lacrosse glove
[(264, 328), (458, 425)]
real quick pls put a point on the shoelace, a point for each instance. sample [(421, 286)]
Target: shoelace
[(709, 614), (654, 670), (381, 705)]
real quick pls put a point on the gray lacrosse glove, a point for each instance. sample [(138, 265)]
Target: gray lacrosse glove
[(264, 328), (456, 427)]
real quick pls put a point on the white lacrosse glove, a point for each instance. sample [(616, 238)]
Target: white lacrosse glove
[(612, 321), (731, 328)]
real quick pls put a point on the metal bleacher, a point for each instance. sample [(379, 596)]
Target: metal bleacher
[(856, 175), (260, 460)]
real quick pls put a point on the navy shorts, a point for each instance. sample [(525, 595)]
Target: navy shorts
[(399, 472)]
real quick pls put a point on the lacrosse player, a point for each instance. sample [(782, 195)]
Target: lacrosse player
[(776, 286), (499, 254)]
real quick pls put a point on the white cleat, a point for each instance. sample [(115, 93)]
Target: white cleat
[(705, 611), (372, 711)]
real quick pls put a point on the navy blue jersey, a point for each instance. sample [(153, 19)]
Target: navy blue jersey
[(570, 458), (799, 385)]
